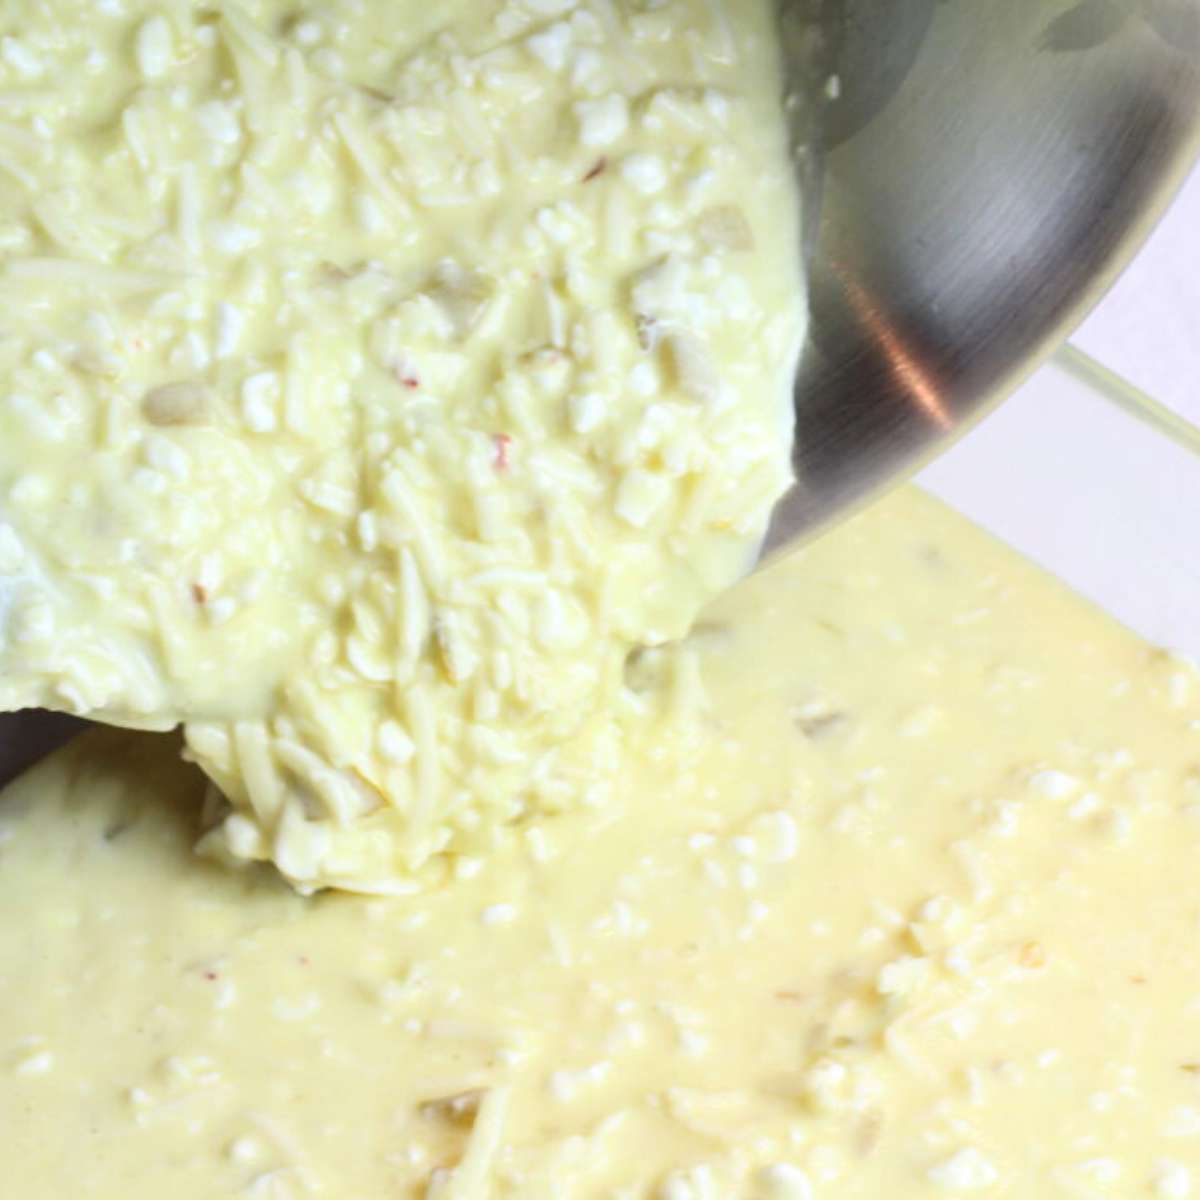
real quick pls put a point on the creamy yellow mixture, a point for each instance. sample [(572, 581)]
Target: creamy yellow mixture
[(373, 375), (904, 906)]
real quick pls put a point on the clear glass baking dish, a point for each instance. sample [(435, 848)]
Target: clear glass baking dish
[(1099, 483)]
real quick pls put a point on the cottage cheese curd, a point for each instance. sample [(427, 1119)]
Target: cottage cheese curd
[(373, 377)]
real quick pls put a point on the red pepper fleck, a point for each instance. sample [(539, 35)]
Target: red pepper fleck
[(199, 593), (502, 443), (596, 171), (211, 976)]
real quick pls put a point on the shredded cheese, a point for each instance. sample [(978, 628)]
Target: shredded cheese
[(386, 383)]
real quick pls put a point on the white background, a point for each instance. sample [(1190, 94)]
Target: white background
[(1108, 505)]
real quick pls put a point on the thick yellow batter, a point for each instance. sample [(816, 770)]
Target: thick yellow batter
[(906, 907), (373, 375)]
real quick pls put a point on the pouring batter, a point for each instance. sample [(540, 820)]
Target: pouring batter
[(376, 376)]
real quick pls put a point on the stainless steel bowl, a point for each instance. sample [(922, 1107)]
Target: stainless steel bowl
[(981, 171)]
